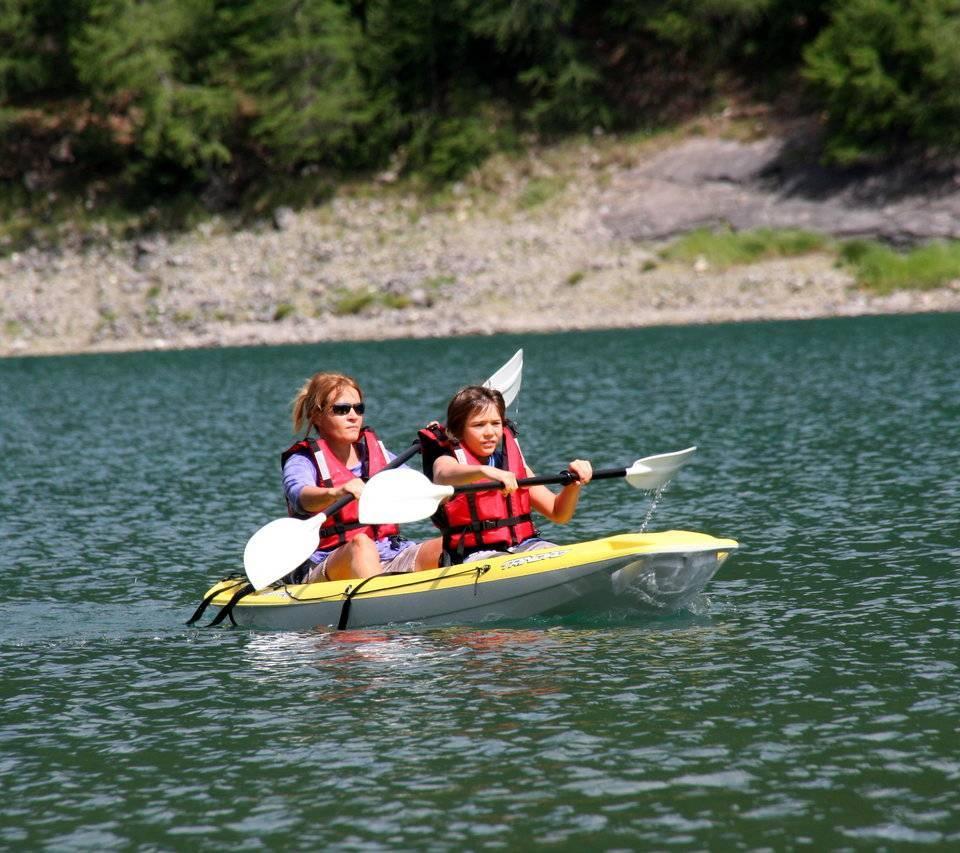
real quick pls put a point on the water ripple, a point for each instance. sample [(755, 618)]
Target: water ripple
[(809, 697)]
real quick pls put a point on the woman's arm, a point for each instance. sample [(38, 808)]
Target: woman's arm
[(314, 499), (302, 492)]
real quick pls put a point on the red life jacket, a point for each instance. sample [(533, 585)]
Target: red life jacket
[(332, 472), (480, 521)]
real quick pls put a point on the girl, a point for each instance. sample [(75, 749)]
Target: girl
[(477, 444)]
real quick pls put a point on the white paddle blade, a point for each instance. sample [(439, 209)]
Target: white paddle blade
[(652, 472), (508, 378), (399, 496), (277, 548)]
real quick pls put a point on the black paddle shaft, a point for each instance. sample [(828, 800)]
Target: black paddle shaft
[(563, 478)]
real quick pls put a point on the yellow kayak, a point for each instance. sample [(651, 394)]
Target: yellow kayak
[(650, 572)]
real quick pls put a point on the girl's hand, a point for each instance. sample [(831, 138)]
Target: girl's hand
[(582, 469), (507, 478)]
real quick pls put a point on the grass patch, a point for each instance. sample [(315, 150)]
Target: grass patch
[(884, 270), (724, 249), (575, 278), (396, 301), (349, 302), (540, 190), (284, 310), (438, 282)]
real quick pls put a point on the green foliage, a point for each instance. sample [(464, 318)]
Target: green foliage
[(667, 57), (540, 42), (887, 72), (221, 100), (416, 52), (566, 92), (299, 64), (144, 64), (34, 36), (723, 249), (21, 66), (884, 270), (444, 150), (717, 26)]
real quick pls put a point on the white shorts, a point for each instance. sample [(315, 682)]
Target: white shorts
[(533, 544), (404, 561)]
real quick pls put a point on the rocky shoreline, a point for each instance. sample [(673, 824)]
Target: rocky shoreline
[(563, 240)]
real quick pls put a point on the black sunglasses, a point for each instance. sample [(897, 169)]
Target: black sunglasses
[(344, 408)]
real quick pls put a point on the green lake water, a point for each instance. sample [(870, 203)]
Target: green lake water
[(810, 698)]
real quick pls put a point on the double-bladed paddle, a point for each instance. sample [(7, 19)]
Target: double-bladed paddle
[(405, 495), (277, 548)]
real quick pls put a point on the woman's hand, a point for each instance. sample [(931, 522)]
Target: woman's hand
[(352, 487), (583, 471)]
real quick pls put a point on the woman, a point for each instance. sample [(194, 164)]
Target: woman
[(478, 444), (317, 471)]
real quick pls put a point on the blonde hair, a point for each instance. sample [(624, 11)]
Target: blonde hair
[(315, 393)]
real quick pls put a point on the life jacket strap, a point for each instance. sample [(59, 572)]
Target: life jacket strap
[(488, 524)]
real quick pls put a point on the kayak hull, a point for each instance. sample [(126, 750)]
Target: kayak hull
[(649, 573)]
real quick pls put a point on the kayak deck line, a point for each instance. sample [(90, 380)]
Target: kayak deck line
[(660, 572)]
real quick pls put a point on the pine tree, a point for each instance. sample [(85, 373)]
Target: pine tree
[(298, 64), (150, 71)]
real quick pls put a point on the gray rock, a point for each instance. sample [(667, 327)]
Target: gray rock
[(715, 182), (420, 298), (283, 218)]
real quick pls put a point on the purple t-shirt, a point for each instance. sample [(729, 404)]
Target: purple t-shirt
[(299, 471)]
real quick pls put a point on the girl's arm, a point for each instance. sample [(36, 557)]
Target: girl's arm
[(559, 508), (447, 471)]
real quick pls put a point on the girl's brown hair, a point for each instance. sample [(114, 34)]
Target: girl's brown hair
[(315, 393), (467, 401)]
